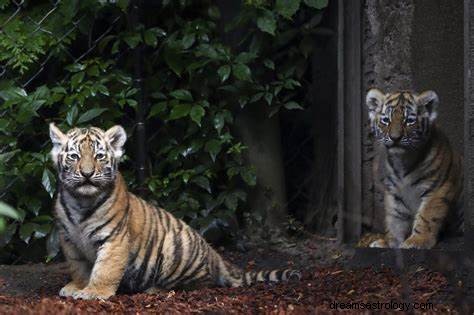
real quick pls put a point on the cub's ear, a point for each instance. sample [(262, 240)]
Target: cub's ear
[(116, 137), (58, 139), (430, 100), (374, 101)]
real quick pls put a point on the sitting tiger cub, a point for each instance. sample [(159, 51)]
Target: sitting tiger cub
[(114, 240), (423, 181)]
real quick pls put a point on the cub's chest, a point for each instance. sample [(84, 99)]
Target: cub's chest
[(79, 235), (407, 191)]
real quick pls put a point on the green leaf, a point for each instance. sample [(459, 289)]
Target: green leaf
[(42, 230), (157, 109), (72, 115), (224, 72), (26, 230), (76, 67), (269, 64), (49, 182), (214, 12), (213, 147), (93, 71), (317, 4), (231, 201), (218, 122), (8, 211), (174, 60), (266, 22), (249, 176), (287, 8), (197, 112), (232, 171), (90, 114), (150, 38), (179, 111), (242, 72), (292, 105), (245, 57), (76, 79), (182, 95), (268, 98), (132, 39), (188, 40), (202, 182)]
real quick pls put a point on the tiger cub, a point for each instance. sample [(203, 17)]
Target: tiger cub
[(423, 178), (114, 240)]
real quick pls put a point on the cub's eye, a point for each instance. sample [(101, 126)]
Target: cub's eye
[(410, 120), (74, 156), (385, 120), (99, 156)]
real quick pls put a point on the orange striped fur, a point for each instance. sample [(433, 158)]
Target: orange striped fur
[(423, 181), (114, 240)]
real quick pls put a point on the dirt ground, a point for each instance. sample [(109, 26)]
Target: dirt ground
[(32, 289)]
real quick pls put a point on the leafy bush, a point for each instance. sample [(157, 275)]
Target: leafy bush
[(93, 63)]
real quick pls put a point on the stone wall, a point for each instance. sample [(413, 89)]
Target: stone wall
[(415, 45)]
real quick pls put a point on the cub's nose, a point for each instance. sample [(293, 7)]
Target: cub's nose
[(87, 173), (395, 138)]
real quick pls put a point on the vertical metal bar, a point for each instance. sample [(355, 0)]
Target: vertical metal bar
[(140, 131), (350, 124), (340, 120), (469, 147)]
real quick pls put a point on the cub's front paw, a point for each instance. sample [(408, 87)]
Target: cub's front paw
[(69, 289), (380, 243), (90, 294), (418, 242)]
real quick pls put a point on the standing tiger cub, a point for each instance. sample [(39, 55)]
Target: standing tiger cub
[(114, 240), (423, 178)]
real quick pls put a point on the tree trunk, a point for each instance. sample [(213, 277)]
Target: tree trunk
[(262, 137)]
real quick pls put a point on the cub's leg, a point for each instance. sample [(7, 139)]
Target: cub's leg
[(428, 221), (79, 269), (397, 221), (108, 270)]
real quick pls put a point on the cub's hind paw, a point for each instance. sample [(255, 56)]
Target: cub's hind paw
[(380, 243)]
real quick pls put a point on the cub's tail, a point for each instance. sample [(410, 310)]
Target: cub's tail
[(276, 275), (229, 275)]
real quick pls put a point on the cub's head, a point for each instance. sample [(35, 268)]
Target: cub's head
[(402, 120), (87, 158)]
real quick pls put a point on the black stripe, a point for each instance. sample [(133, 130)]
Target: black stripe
[(191, 258), (439, 181), (400, 200), (400, 215), (421, 158), (423, 219), (390, 179), (266, 275), (390, 162), (91, 210), (159, 260), (66, 209), (199, 267), (94, 231), (178, 256), (279, 274), (193, 274), (424, 177), (146, 264)]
